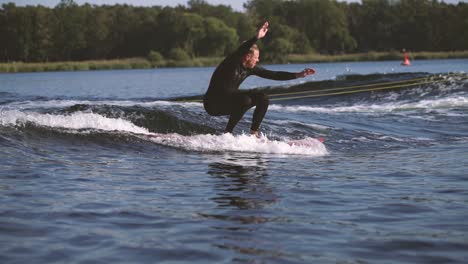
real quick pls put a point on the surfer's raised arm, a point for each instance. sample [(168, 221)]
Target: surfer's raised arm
[(247, 45), (263, 30)]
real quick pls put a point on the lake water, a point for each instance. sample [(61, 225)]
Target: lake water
[(105, 166)]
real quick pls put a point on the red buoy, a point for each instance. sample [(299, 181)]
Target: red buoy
[(406, 61)]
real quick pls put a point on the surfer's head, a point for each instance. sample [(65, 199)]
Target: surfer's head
[(252, 58)]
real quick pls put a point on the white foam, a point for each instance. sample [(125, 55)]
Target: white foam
[(75, 121), (237, 143), (433, 104)]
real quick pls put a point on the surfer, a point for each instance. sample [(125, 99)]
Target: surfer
[(223, 96)]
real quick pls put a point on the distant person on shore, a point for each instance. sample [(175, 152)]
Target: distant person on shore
[(223, 96)]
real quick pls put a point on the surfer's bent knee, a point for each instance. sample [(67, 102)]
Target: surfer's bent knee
[(265, 99), (208, 108), (261, 98)]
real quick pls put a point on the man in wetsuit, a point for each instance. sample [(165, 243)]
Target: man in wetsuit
[(223, 96)]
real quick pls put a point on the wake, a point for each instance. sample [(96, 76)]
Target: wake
[(88, 123)]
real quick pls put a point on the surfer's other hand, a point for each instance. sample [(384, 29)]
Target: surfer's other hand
[(305, 72)]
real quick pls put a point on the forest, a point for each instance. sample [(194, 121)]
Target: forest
[(72, 32)]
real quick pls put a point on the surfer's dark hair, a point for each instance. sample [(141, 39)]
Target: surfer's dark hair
[(253, 48)]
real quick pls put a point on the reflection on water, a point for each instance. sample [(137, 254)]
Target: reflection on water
[(242, 193), (241, 182)]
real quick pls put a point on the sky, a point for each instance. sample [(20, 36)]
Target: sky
[(235, 4)]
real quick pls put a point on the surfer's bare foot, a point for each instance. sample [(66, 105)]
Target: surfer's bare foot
[(255, 133)]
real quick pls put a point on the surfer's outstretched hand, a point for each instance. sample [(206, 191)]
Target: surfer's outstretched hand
[(305, 72), (262, 31)]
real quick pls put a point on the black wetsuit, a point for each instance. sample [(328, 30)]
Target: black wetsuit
[(223, 96)]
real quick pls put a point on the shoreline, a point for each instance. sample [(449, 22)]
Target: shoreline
[(144, 63)]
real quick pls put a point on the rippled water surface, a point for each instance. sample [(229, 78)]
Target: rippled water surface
[(106, 167)]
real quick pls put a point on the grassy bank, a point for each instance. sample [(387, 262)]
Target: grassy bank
[(375, 56), (143, 63), (131, 63)]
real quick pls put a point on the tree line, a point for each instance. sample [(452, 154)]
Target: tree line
[(72, 32)]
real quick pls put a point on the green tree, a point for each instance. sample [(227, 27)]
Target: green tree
[(264, 9), (72, 32), (190, 29), (219, 38), (42, 34), (155, 57), (123, 31), (178, 54), (9, 29), (68, 34), (413, 27), (278, 49), (377, 25), (236, 20), (146, 35), (96, 32)]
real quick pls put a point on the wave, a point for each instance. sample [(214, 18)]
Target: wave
[(51, 104), (434, 87), (89, 123), (109, 108), (75, 123), (300, 124), (370, 93), (156, 116), (185, 125), (439, 105)]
